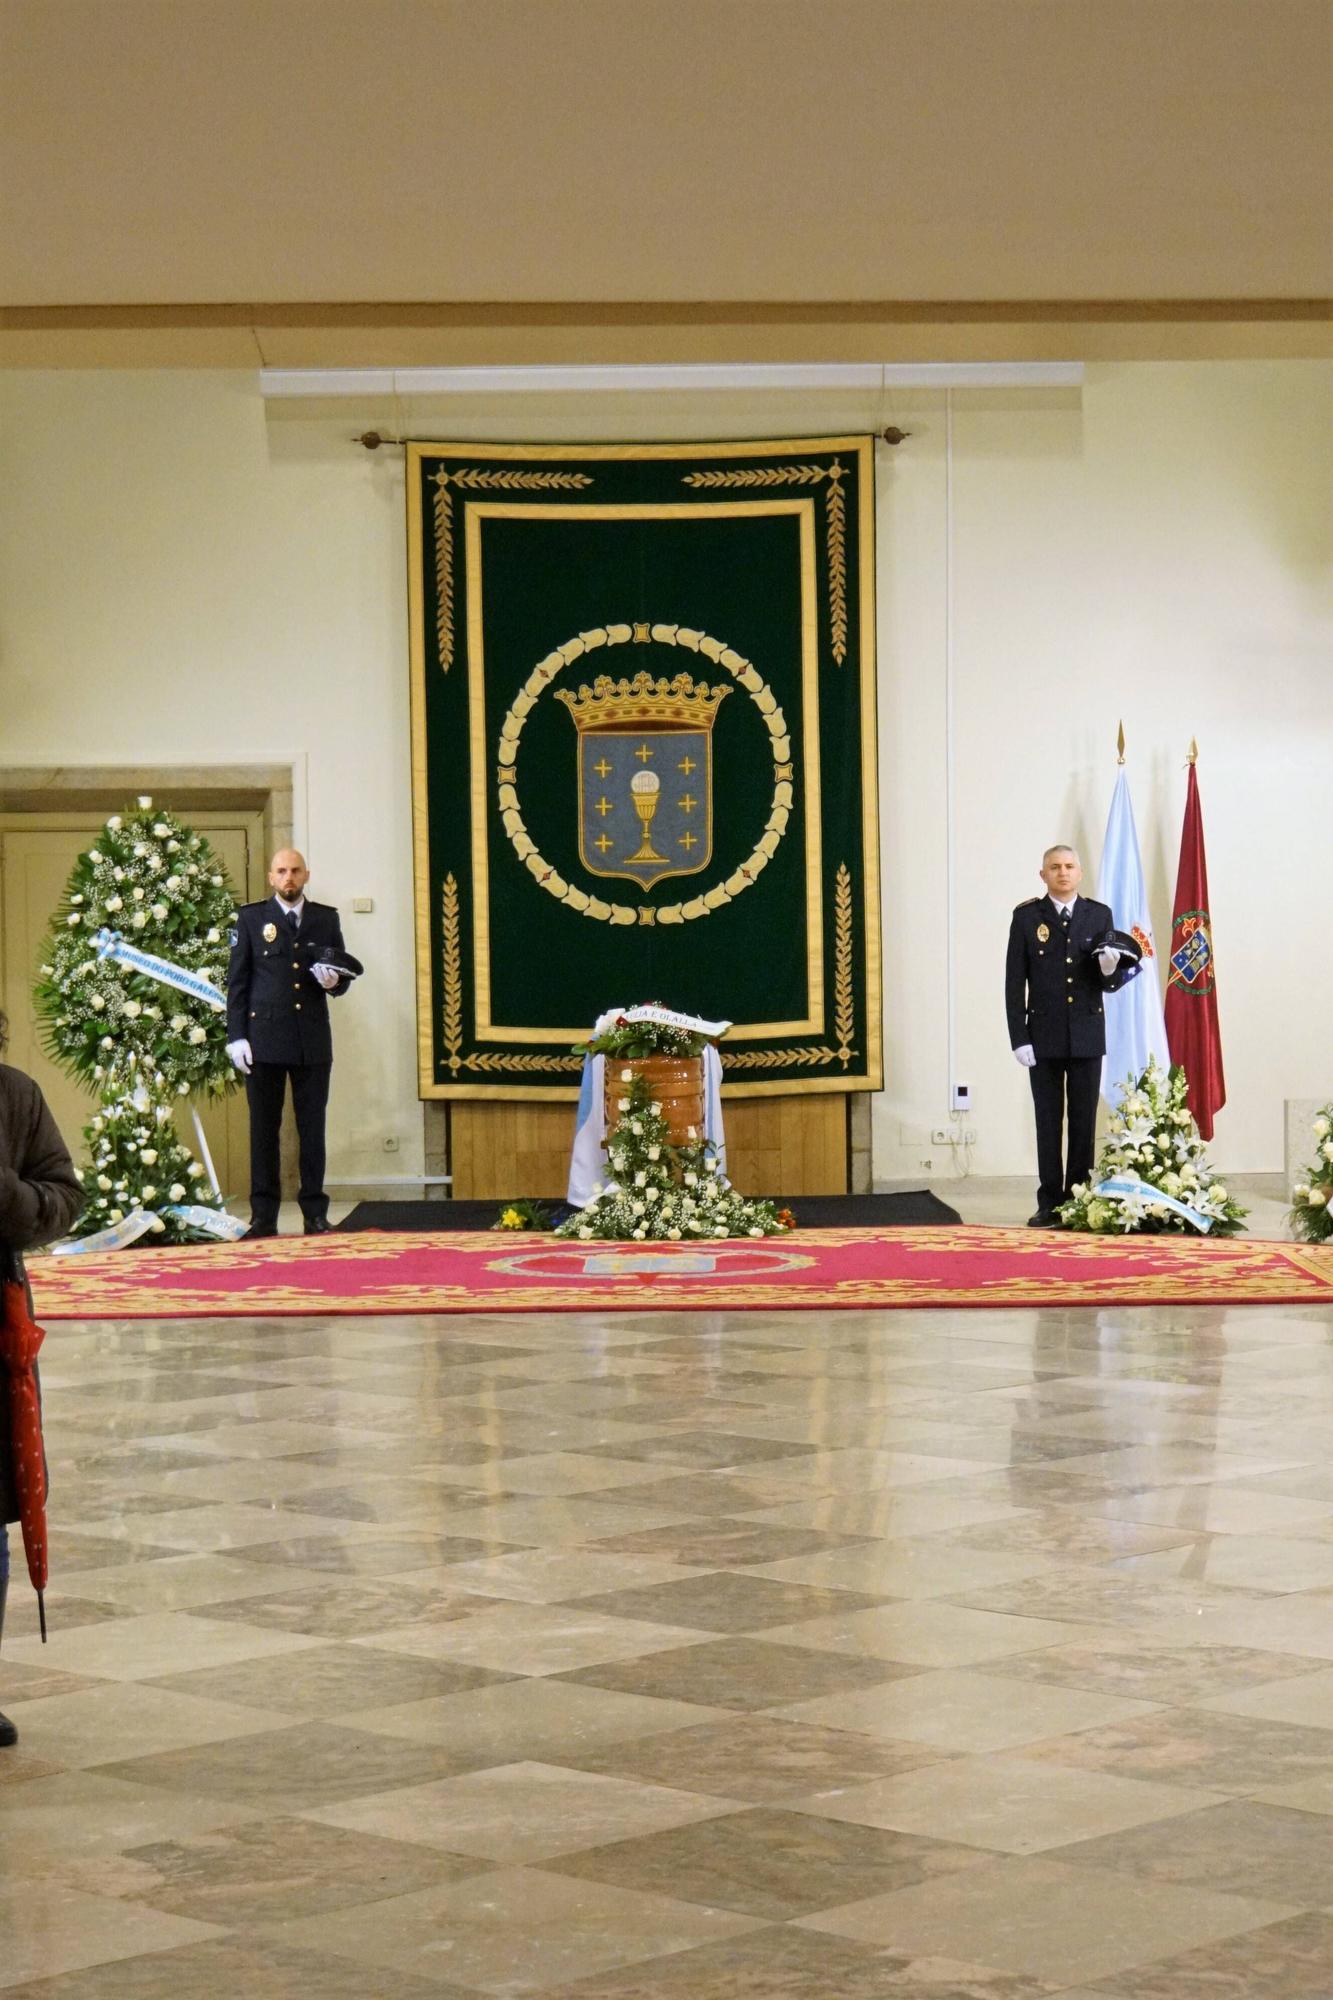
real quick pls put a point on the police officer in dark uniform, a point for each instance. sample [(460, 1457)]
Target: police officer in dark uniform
[(1055, 983), (287, 957)]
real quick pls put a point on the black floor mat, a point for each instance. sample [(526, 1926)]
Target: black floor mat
[(812, 1211)]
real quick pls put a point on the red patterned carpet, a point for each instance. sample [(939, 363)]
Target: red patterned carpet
[(865, 1268)]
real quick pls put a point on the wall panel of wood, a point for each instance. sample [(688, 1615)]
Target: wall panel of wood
[(775, 1145)]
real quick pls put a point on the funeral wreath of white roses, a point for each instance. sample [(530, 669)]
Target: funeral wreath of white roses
[(663, 1193), (142, 1046), (1312, 1197), (1154, 1154)]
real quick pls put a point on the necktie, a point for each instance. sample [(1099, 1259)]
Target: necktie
[(294, 919)]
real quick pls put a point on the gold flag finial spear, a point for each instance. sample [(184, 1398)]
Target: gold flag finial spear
[(1120, 745), (1194, 750)]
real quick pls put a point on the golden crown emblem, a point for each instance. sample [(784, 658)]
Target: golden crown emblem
[(609, 704)]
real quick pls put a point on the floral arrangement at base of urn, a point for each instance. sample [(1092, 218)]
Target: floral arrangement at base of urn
[(660, 1191), (1153, 1175), (1311, 1215)]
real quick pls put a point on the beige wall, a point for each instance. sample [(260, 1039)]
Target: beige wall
[(187, 577)]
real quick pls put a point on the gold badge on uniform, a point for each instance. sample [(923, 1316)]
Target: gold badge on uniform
[(1043, 933), (270, 932)]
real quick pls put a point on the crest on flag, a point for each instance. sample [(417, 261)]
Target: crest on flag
[(1192, 954), (645, 775)]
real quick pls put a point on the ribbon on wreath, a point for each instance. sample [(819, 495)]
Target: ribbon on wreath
[(110, 944), (143, 1221), (1125, 1186)]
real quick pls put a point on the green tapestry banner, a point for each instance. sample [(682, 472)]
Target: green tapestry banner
[(644, 756)]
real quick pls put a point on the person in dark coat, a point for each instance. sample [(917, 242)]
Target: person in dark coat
[(1055, 984), (287, 960), (40, 1197)]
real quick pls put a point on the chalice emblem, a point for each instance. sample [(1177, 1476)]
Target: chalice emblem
[(644, 788)]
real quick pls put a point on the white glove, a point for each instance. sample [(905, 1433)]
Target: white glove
[(241, 1056), (1108, 960), (1027, 1055), (327, 975)]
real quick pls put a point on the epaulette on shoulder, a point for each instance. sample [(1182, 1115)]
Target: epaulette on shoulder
[(1026, 903), (258, 905)]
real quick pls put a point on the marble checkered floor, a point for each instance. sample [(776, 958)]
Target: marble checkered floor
[(918, 1656)]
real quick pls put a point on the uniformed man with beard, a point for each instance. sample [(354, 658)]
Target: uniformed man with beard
[(287, 958)]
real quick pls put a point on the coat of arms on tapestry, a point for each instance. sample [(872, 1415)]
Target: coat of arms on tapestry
[(644, 755)]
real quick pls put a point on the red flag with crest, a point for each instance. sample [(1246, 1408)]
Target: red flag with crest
[(1192, 1033)]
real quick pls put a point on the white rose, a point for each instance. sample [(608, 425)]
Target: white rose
[(155, 1223), (197, 1035), (627, 1076), (148, 1193), (161, 829), (119, 874), (133, 1009), (148, 1155), (94, 856), (115, 903), (116, 1215), (654, 1152), (183, 1090), (641, 1178), (73, 918), (98, 1070), (1318, 1196), (107, 1042), (138, 895), (623, 1104), (636, 1128), (104, 1183), (76, 899), (585, 1234), (1301, 1193), (1327, 1149), (216, 880), (1321, 1127), (194, 1170), (176, 1191), (639, 1235), (96, 1002), (1217, 1192), (213, 937), (691, 1132), (652, 1194), (140, 850), (159, 911), (139, 919), (114, 823), (173, 847), (691, 1179), (756, 1232), (673, 1235)]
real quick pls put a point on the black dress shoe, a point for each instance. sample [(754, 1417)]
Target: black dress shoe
[(255, 1231), (318, 1225), (9, 1736), (1045, 1218)]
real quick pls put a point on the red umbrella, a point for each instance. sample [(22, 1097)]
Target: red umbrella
[(20, 1338)]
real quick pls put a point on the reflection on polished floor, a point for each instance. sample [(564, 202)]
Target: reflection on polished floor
[(932, 1656)]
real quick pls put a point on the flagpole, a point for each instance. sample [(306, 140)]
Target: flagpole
[(1120, 744), (1193, 757)]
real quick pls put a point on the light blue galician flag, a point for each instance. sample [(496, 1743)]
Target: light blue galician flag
[(1135, 1025)]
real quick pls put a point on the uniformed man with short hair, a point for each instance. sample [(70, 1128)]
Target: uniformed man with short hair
[(1056, 981), (287, 958)]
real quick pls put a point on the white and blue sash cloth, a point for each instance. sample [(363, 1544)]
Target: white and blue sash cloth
[(1125, 1185), (587, 1163), (119, 1235), (110, 944)]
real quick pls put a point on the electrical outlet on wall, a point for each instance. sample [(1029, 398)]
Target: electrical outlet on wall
[(391, 1143)]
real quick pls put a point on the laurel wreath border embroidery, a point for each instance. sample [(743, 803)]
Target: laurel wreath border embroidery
[(768, 476), (477, 478)]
